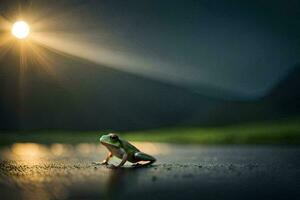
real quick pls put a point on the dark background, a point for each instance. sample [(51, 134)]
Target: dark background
[(236, 61)]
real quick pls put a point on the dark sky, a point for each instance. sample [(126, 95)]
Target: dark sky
[(223, 62), (243, 47)]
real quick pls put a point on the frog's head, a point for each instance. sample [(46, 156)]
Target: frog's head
[(110, 139)]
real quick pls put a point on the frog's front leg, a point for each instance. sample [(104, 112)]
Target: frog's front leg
[(124, 159), (140, 156), (105, 161)]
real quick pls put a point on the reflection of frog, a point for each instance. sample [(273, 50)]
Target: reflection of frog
[(123, 150)]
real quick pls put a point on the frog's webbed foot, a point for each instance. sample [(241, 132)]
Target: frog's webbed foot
[(100, 163), (136, 165)]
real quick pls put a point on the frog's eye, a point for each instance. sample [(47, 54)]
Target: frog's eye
[(114, 137)]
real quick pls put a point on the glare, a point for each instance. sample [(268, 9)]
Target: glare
[(20, 29)]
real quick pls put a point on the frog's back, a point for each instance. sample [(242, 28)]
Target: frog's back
[(129, 147), (130, 150)]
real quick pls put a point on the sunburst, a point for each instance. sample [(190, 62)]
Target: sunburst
[(20, 29)]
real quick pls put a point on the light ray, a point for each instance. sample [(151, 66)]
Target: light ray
[(6, 39), (120, 60), (6, 44), (41, 58), (23, 64)]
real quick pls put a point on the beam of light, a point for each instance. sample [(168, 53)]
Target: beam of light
[(41, 58), (20, 29), (80, 45), (5, 45), (124, 60), (58, 29), (75, 23), (121, 60), (6, 39)]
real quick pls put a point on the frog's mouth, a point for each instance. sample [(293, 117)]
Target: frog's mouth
[(108, 144)]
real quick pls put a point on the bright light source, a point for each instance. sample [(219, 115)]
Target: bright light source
[(20, 29)]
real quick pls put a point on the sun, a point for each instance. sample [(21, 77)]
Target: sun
[(20, 29)]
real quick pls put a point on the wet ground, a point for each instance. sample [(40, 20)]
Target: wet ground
[(60, 171)]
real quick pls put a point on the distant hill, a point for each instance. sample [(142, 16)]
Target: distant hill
[(75, 94), (288, 90), (282, 102)]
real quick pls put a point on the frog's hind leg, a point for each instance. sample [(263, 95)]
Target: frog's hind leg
[(140, 156)]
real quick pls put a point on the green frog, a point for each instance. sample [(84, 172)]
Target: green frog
[(123, 150)]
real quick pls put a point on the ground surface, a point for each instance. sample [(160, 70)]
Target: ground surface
[(59, 171)]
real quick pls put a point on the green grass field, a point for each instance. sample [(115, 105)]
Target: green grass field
[(275, 132)]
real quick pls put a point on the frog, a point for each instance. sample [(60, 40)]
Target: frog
[(123, 150)]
